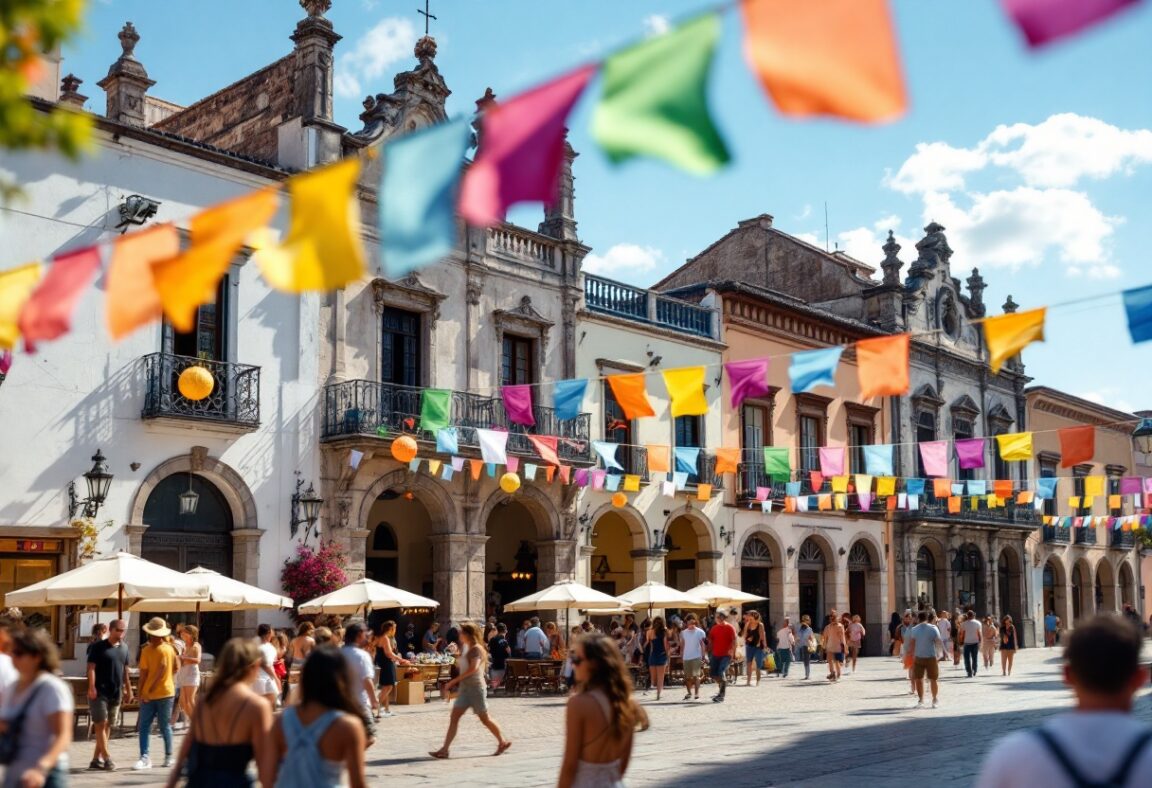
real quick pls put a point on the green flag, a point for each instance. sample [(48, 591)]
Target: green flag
[(776, 463), (435, 409), (655, 102)]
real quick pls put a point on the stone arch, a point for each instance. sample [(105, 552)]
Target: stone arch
[(430, 493), (817, 587), (764, 574), (827, 551), (872, 545), (866, 588), (775, 548), (543, 511), (969, 569), (1104, 586), (633, 518), (1128, 590), (701, 525), (618, 562), (1009, 580), (230, 483), (931, 581)]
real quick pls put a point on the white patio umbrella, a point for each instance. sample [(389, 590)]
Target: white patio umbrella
[(717, 595), (565, 595), (224, 594), (365, 595), (121, 576), (653, 595)]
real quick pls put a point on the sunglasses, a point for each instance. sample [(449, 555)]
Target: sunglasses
[(577, 660)]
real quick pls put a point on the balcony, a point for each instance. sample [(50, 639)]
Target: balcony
[(1008, 514), (1085, 535), (522, 246), (1057, 534), (646, 306), (234, 401), (1121, 540), (358, 408)]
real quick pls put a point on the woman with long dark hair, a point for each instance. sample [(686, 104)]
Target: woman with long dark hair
[(1008, 645), (316, 741), (658, 654), (601, 718), (229, 727), (473, 692), (387, 659)]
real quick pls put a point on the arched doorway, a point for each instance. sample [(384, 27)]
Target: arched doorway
[(399, 552), (1105, 588), (1081, 604), (926, 588), (864, 593), (612, 569), (756, 574), (680, 562), (185, 541), (382, 558), (510, 558), (968, 566), (1008, 585), (1127, 585), (813, 573), (1055, 596)]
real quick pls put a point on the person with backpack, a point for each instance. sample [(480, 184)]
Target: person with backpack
[(1098, 744)]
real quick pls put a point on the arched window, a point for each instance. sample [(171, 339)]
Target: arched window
[(810, 553), (384, 538), (858, 558), (756, 551)]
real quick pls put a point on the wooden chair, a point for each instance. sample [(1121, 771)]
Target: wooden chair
[(675, 670), (79, 689), (516, 676), (550, 680), (134, 706)]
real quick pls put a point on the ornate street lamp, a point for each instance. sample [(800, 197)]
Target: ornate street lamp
[(98, 481), (305, 508)]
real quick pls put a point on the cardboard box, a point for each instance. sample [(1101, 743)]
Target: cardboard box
[(409, 693)]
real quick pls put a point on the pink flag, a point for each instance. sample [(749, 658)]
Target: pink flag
[(865, 499), (970, 453), (832, 460), (5, 361), (581, 477), (1044, 21), (521, 150), (934, 455), (762, 493), (518, 404), (48, 312), (747, 378), (513, 464), (545, 446)]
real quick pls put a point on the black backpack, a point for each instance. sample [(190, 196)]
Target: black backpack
[(1118, 779)]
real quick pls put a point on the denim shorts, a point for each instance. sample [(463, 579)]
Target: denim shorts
[(754, 655), (719, 666)]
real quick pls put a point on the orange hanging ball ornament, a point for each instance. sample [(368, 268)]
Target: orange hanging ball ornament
[(196, 383), (619, 500), (404, 449)]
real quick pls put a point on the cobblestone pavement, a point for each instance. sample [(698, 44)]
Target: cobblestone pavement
[(789, 732)]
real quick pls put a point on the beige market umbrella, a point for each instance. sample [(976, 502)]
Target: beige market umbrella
[(717, 595), (224, 594), (365, 595), (653, 594), (121, 576), (565, 595)]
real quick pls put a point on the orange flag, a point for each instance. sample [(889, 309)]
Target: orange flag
[(477, 467), (942, 488), (882, 366), (832, 57), (1077, 445), (630, 395), (549, 472), (16, 286), (659, 458), (703, 492), (190, 279), (1002, 488), (1007, 335), (954, 504), (1025, 496), (132, 297), (727, 460), (565, 473)]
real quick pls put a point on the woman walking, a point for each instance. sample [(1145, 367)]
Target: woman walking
[(472, 691), (894, 635), (835, 644), (44, 704), (785, 642), (658, 650), (387, 659), (856, 634), (806, 641), (317, 741), (1008, 645), (755, 642), (230, 726), (601, 717), (188, 676), (989, 636)]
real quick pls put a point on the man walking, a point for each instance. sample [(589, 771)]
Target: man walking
[(1050, 622), (692, 640), (923, 642), (536, 643), (970, 638), (785, 641), (158, 666), (722, 638), (363, 671), (945, 628), (1100, 743), (107, 683)]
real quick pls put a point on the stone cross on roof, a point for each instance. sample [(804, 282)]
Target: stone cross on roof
[(428, 16)]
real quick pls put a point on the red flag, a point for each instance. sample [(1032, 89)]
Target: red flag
[(48, 312), (565, 473), (545, 446), (817, 479), (1077, 445)]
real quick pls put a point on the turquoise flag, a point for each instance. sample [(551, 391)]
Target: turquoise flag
[(568, 398), (419, 183), (814, 368), (655, 102)]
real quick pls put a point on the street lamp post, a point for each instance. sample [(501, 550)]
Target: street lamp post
[(99, 481)]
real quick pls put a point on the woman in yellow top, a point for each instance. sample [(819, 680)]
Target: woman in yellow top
[(158, 666)]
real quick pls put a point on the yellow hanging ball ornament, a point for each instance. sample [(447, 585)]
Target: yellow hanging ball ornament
[(404, 449), (509, 483), (196, 383), (619, 500)]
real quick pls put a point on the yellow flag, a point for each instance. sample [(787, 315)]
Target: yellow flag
[(1015, 446), (631, 482), (190, 279), (885, 485), (1007, 335), (1089, 501), (1074, 502), (322, 250), (16, 286), (824, 503), (839, 484), (1093, 486), (132, 297), (842, 501), (686, 390)]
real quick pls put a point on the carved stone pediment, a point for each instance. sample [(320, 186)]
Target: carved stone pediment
[(926, 396), (407, 293), (966, 406), (417, 101), (999, 413), (524, 314)]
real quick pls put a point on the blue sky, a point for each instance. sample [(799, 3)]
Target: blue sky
[(1040, 165)]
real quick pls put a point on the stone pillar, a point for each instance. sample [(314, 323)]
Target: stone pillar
[(315, 39), (134, 535), (708, 566), (357, 552), (584, 566), (245, 568), (556, 560), (452, 568), (648, 565)]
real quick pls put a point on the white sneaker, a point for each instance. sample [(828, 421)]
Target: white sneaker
[(919, 705), (387, 714), (144, 763), (169, 761), (934, 703)]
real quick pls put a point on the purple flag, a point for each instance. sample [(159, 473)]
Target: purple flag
[(581, 477), (748, 378), (1044, 21), (518, 404), (934, 455), (865, 499), (598, 478), (1130, 485), (970, 453)]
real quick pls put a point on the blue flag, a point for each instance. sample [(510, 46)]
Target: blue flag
[(447, 440), (878, 460), (568, 398), (814, 368), (421, 177), (1138, 306), (792, 489), (1046, 487), (977, 487), (686, 457), (914, 486), (612, 482), (607, 452)]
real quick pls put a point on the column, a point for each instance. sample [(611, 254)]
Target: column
[(556, 560), (476, 579), (450, 570), (357, 552), (584, 567), (134, 535), (245, 568), (708, 566), (647, 565)]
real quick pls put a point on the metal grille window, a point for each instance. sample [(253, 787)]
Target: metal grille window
[(1048, 470), (860, 436)]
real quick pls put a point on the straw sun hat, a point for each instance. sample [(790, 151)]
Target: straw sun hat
[(157, 628)]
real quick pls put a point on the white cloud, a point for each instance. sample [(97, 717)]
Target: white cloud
[(369, 5), (625, 261), (1109, 397), (805, 212), (935, 166), (866, 244), (388, 42), (656, 25), (811, 238)]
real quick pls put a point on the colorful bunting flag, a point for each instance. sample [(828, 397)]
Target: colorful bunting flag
[(825, 503), (882, 365), (832, 460), (435, 409), (839, 484), (1130, 485), (813, 368), (680, 479), (863, 482), (970, 453), (763, 493), (132, 300), (703, 492), (1007, 335), (1045, 21), (513, 464), (934, 457), (521, 150), (727, 460), (954, 505), (1138, 309), (549, 473), (864, 501), (420, 181), (914, 486), (447, 472), (687, 458), (16, 286), (816, 480), (1093, 486), (493, 446), (491, 466), (546, 446), (568, 398), (607, 453), (747, 379), (1077, 445), (1015, 446), (792, 489), (1002, 488), (582, 477), (878, 459), (1115, 502), (942, 488), (777, 464), (476, 466), (518, 404), (598, 477), (835, 57), (414, 465), (655, 102), (659, 458), (612, 482), (686, 391), (48, 312), (457, 464), (628, 389), (977, 487), (322, 249), (632, 483), (434, 466), (447, 440), (668, 489), (1025, 497), (886, 486)]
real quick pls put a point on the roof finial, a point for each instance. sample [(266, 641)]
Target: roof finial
[(316, 8), (428, 17), (128, 39), (1010, 306)]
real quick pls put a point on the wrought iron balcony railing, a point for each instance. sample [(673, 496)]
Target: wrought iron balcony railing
[(1057, 534), (646, 306), (365, 407), (1085, 535), (1123, 540), (235, 397)]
